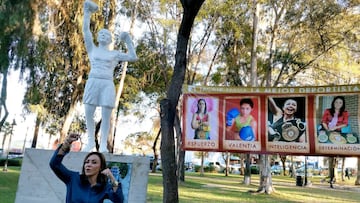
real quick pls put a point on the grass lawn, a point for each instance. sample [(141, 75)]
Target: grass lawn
[(8, 184), (215, 187)]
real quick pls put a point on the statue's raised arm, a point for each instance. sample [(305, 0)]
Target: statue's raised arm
[(89, 8), (131, 55)]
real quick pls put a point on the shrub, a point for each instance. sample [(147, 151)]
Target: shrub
[(206, 168), (254, 169), (11, 162)]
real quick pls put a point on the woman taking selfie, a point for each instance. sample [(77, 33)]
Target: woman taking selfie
[(96, 182)]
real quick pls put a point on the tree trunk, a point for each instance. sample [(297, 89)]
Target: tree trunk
[(36, 131), (181, 153), (283, 161), (357, 181), (3, 141), (181, 165), (67, 122), (153, 170), (292, 167), (227, 163), (254, 45), (202, 164), (342, 169), (272, 44), (242, 167), (247, 176), (332, 171), (168, 162), (115, 113), (266, 185), (168, 106), (3, 98)]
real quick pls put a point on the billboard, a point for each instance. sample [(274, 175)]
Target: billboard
[(320, 120)]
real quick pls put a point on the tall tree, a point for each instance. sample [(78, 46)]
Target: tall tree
[(120, 85), (316, 34), (16, 38), (168, 106), (253, 70), (265, 172)]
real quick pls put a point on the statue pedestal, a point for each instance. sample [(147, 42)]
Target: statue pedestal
[(39, 184)]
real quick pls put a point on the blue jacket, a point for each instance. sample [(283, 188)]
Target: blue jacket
[(78, 188)]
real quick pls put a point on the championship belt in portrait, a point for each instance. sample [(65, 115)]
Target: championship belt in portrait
[(203, 129), (292, 129)]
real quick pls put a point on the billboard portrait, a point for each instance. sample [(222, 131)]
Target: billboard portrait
[(201, 122), (286, 125), (337, 124), (242, 123), (311, 120)]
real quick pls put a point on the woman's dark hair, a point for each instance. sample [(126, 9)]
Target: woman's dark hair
[(247, 101), (198, 109), (101, 178), (342, 109)]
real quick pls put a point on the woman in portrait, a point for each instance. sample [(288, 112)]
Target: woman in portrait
[(285, 126), (200, 121), (336, 117), (335, 124), (241, 125)]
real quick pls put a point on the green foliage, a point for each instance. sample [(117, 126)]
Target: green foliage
[(11, 162), (295, 40), (78, 125), (57, 78), (15, 23), (15, 39), (216, 78), (319, 30), (139, 142), (152, 68), (150, 74), (7, 128), (233, 34)]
